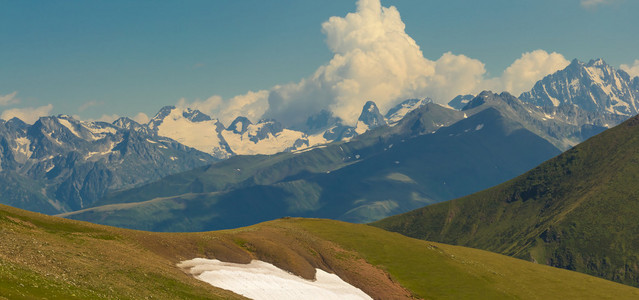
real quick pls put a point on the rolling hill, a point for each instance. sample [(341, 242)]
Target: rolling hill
[(43, 256), (578, 211)]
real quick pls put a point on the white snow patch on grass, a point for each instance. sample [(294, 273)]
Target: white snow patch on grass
[(261, 280)]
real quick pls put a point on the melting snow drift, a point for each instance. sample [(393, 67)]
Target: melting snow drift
[(261, 280)]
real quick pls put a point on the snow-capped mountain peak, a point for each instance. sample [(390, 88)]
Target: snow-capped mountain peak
[(240, 125), (264, 137), (594, 86), (369, 118), (398, 112), (191, 128)]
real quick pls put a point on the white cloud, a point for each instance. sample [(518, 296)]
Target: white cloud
[(108, 118), (375, 59), (9, 99), (531, 67), (27, 114), (632, 70), (251, 105), (88, 105), (454, 75), (141, 118)]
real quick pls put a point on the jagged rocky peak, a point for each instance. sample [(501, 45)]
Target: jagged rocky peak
[(399, 111), (240, 125), (597, 62), (339, 133), (126, 123), (594, 86), (488, 97), (14, 124), (371, 116), (265, 127), (482, 98), (460, 101), (180, 115), (195, 115), (159, 117)]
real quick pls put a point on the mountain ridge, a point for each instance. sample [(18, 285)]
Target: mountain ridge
[(576, 211), (374, 175)]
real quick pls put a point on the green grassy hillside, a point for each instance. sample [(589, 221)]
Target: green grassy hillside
[(579, 211), (42, 256)]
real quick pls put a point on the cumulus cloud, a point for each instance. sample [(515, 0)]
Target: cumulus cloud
[(531, 67), (9, 99), (454, 75), (141, 118), (375, 59), (27, 114), (251, 105), (632, 70)]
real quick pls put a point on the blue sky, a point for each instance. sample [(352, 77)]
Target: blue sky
[(95, 58)]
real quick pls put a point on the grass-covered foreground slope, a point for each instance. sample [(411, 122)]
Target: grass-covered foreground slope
[(579, 211), (42, 256)]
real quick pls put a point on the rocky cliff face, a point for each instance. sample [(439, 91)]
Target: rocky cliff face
[(594, 86)]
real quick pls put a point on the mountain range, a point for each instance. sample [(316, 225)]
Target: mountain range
[(62, 164), (417, 153)]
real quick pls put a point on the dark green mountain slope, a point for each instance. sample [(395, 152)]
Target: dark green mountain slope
[(579, 211), (385, 178)]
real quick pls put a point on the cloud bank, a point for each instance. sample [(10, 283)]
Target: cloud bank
[(522, 75), (9, 99), (632, 70), (29, 114), (141, 118), (375, 59)]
